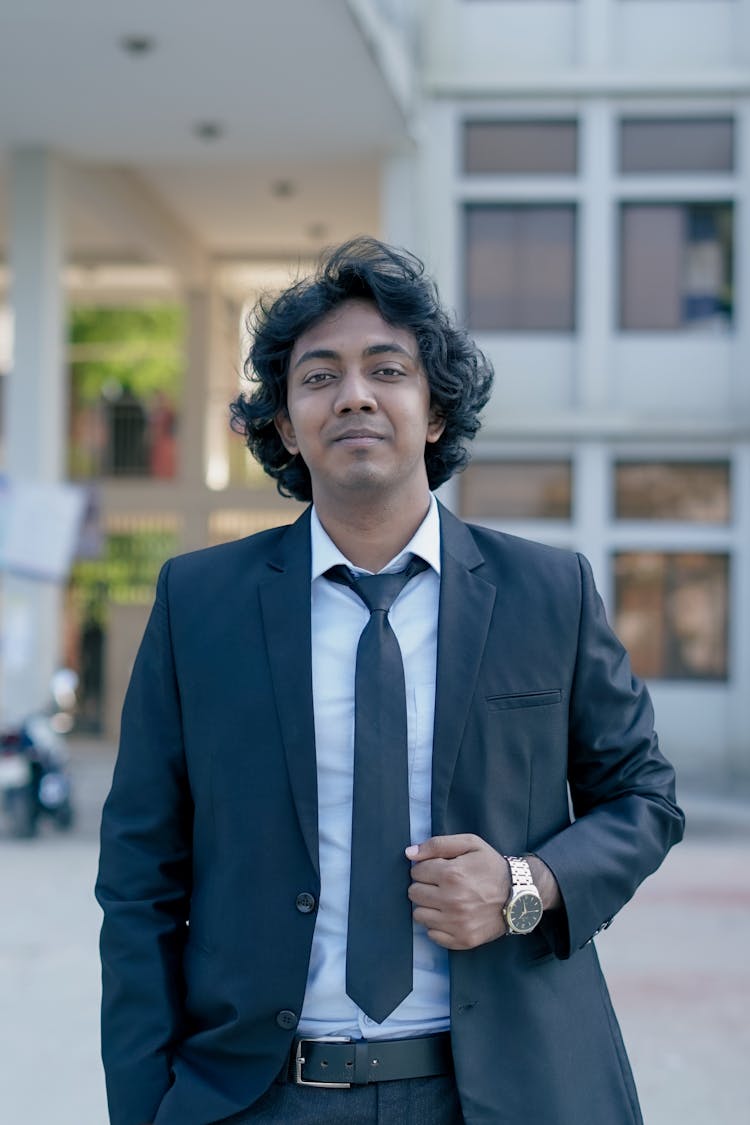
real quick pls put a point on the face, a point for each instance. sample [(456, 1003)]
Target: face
[(358, 407)]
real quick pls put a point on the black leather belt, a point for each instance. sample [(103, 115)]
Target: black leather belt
[(339, 1063)]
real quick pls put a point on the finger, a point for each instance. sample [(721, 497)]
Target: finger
[(446, 940), (425, 894), (444, 847), (430, 919), (429, 871)]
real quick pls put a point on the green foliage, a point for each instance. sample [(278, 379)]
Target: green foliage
[(105, 325), (127, 572), (135, 347)]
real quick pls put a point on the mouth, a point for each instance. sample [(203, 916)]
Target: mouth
[(358, 437)]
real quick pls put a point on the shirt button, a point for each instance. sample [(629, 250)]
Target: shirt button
[(305, 902), (286, 1019)]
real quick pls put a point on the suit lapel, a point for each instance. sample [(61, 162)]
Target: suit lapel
[(466, 604), (285, 605)]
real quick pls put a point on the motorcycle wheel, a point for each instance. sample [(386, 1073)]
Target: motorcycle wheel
[(21, 810), (64, 816)]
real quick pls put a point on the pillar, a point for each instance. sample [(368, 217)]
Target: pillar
[(35, 417)]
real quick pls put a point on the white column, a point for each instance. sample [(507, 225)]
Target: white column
[(194, 421), (595, 19), (741, 37), (224, 383), (741, 335), (591, 489), (738, 724), (596, 270), (36, 416), (398, 201)]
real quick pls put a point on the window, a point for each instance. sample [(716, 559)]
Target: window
[(516, 490), (520, 267), (671, 613), (666, 145), (676, 266), (126, 379), (672, 490), (527, 148)]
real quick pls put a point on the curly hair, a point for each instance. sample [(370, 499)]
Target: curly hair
[(459, 375)]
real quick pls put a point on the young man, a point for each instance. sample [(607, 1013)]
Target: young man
[(339, 875)]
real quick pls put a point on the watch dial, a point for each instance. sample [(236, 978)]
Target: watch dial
[(525, 913)]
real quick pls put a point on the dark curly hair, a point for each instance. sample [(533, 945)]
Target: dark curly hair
[(459, 375)]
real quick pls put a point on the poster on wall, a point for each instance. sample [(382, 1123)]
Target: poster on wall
[(39, 528)]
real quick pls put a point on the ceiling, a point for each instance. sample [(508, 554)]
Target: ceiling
[(301, 113)]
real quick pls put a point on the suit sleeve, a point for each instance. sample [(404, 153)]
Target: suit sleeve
[(143, 885), (622, 788)]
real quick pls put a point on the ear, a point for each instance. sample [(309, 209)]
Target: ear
[(435, 426), (283, 424)]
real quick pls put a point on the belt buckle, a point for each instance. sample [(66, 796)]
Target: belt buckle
[(299, 1062)]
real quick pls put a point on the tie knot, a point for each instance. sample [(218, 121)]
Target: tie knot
[(377, 591)]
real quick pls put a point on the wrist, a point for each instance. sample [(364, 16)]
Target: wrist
[(545, 882)]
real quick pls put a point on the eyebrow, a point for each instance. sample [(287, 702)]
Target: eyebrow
[(374, 349)]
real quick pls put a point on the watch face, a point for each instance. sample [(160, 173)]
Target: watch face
[(524, 912)]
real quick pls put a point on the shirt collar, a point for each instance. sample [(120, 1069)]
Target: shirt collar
[(425, 542)]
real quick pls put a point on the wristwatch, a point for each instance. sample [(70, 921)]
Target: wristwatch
[(523, 910)]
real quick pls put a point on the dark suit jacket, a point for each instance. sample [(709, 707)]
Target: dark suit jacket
[(209, 834)]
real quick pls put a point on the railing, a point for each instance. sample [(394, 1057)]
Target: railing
[(124, 437)]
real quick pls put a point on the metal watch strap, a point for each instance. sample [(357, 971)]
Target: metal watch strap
[(520, 872)]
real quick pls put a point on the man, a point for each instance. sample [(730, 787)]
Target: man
[(303, 766)]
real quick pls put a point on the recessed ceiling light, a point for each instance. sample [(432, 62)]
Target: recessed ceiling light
[(208, 130), (137, 44), (282, 189)]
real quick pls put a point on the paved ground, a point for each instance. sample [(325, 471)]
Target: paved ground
[(677, 961)]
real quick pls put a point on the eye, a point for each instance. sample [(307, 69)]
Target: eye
[(388, 372), (315, 378)]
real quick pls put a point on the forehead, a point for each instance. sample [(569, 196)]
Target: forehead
[(352, 327)]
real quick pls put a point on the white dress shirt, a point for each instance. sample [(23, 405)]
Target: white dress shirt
[(338, 618)]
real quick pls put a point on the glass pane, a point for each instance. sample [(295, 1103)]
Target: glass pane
[(677, 145), (707, 265), (671, 613), (676, 262), (520, 268), (662, 490), (651, 255), (521, 147), (516, 490)]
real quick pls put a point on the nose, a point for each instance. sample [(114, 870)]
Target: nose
[(354, 394)]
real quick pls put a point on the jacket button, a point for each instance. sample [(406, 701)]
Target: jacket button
[(287, 1019), (305, 902)]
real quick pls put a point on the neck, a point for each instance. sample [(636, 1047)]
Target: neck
[(371, 536)]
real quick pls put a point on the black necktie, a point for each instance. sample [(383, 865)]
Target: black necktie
[(379, 955)]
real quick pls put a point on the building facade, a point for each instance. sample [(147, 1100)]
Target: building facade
[(584, 193)]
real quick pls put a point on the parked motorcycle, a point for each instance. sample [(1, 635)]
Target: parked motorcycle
[(34, 765)]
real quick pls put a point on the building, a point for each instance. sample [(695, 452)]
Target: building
[(576, 174)]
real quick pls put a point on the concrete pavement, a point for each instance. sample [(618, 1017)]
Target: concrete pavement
[(676, 960)]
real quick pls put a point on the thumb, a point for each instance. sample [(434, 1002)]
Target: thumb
[(444, 847)]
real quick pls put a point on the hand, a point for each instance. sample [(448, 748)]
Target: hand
[(459, 887)]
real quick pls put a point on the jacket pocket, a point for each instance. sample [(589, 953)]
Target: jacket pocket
[(526, 699)]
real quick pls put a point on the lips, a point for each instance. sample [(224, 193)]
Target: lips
[(358, 435)]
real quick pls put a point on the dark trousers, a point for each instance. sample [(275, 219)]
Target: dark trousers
[(411, 1101)]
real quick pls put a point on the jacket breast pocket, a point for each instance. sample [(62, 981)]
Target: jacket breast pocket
[(524, 699)]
